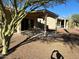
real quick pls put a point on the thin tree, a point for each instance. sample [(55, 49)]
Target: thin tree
[(12, 13), (75, 18)]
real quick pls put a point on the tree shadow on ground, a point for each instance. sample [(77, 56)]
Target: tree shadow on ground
[(68, 38), (71, 39), (26, 41), (55, 37)]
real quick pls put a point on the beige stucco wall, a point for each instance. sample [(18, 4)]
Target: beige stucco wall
[(51, 22)]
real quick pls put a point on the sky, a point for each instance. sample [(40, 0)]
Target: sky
[(66, 10)]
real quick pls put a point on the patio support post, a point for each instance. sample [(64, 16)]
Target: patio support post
[(56, 25), (35, 23), (64, 23), (45, 25), (29, 22)]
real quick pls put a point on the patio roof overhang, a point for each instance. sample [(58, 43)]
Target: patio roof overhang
[(40, 14)]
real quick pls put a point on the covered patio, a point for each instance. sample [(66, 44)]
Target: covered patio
[(62, 23), (30, 22)]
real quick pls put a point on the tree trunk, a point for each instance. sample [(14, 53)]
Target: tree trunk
[(6, 44), (5, 48), (19, 28)]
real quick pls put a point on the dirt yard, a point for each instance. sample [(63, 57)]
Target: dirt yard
[(43, 49)]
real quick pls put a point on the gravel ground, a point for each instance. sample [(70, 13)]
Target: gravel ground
[(41, 49)]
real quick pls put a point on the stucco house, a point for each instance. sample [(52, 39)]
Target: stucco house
[(43, 19), (62, 23)]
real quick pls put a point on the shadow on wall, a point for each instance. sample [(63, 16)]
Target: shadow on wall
[(40, 25)]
